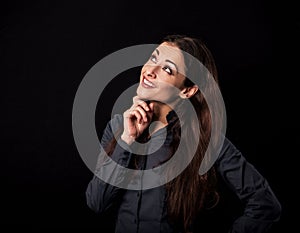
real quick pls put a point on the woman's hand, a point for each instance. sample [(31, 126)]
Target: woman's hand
[(136, 119)]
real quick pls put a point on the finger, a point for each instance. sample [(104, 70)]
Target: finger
[(142, 112), (135, 99), (137, 115), (151, 106), (151, 112), (128, 113), (143, 103)]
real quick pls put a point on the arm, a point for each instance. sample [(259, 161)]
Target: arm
[(100, 195), (261, 205)]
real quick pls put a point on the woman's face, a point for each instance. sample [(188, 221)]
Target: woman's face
[(162, 77)]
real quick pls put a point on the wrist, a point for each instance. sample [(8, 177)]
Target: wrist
[(128, 139)]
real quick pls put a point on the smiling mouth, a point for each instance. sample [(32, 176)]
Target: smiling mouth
[(147, 84)]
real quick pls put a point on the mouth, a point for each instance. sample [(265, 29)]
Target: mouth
[(147, 84)]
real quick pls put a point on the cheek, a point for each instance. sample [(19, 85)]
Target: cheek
[(142, 71), (168, 91), (144, 68), (176, 82)]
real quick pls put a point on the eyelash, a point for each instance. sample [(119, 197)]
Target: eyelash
[(165, 68), (153, 57), (168, 70)]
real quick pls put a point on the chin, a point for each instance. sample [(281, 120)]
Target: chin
[(144, 95), (155, 95)]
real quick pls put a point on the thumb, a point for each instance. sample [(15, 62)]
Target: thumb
[(151, 106)]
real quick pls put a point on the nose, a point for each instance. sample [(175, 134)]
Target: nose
[(151, 71)]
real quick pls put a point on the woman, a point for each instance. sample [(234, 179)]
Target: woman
[(180, 204)]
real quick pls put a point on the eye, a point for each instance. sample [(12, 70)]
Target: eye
[(153, 58), (168, 70)]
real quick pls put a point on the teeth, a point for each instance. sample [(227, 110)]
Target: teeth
[(148, 83)]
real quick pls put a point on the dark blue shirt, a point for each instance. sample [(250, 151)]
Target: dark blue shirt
[(144, 211)]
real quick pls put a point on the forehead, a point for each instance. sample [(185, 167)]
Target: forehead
[(168, 51)]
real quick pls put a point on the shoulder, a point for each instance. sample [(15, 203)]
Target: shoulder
[(112, 128), (114, 123), (228, 148), (229, 154), (116, 120)]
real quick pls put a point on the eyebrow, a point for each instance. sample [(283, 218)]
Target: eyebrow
[(173, 64), (167, 60)]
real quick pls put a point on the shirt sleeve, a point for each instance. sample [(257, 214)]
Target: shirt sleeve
[(261, 207), (100, 195)]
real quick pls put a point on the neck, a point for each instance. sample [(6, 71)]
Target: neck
[(160, 112), (159, 116)]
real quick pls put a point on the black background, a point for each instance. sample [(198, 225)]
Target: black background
[(48, 46)]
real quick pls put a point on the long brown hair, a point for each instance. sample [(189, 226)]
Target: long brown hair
[(190, 192)]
